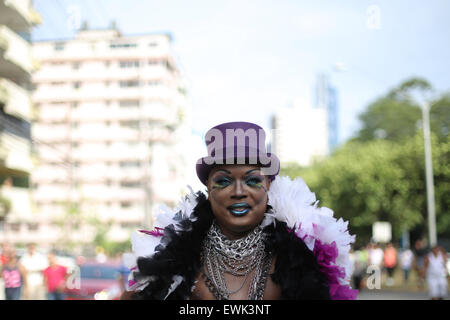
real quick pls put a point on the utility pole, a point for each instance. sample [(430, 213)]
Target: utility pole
[(429, 174)]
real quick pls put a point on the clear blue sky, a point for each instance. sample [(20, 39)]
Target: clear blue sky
[(244, 59)]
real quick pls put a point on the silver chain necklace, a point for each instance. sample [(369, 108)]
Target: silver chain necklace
[(238, 258)]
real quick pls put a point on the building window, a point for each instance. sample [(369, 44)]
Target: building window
[(129, 83), (130, 124), (130, 164), (154, 83), (76, 65), (153, 44), (129, 64), (77, 85), (122, 45), (74, 105), (129, 103), (59, 46), (33, 226), (125, 204), (15, 227), (130, 184)]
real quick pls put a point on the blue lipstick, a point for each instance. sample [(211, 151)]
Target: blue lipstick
[(239, 209)]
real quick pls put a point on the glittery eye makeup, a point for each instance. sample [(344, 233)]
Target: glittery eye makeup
[(254, 181), (221, 182)]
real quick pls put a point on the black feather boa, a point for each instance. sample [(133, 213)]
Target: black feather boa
[(296, 269)]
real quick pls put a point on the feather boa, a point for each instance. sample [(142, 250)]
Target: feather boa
[(293, 204)]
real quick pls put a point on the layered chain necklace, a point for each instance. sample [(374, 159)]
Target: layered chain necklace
[(238, 258)]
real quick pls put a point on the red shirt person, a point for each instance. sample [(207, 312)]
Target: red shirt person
[(55, 279)]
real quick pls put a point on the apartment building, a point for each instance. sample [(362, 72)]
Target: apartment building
[(110, 123), (17, 18)]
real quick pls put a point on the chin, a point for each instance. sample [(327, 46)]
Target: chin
[(244, 223)]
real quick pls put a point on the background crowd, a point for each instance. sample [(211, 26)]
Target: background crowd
[(419, 268), (32, 274), (38, 274)]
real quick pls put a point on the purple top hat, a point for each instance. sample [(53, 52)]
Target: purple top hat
[(237, 143)]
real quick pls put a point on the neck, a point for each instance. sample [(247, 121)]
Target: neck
[(235, 234)]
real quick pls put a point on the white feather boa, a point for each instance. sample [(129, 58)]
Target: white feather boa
[(292, 202)]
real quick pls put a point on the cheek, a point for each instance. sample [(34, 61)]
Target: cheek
[(217, 201), (260, 196)]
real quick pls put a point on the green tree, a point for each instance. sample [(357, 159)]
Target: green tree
[(380, 174), (396, 117), (381, 180)]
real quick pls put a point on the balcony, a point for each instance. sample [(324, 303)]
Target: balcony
[(48, 133), (15, 62), (20, 200), (16, 100), (18, 15), (16, 152)]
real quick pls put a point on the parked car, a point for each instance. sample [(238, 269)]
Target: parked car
[(94, 281)]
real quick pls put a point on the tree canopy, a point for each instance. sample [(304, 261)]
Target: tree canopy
[(380, 174), (396, 116)]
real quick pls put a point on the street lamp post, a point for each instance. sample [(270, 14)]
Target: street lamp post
[(429, 174)]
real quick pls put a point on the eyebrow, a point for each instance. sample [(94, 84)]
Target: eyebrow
[(226, 171)]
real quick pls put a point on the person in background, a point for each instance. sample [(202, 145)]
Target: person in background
[(3, 260), (359, 268), (420, 252), (14, 276), (390, 262), (34, 263), (55, 277), (4, 254), (375, 255), (406, 261), (436, 273)]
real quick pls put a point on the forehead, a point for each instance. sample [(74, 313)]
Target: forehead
[(235, 169)]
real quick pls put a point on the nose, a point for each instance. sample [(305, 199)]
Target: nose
[(239, 192)]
